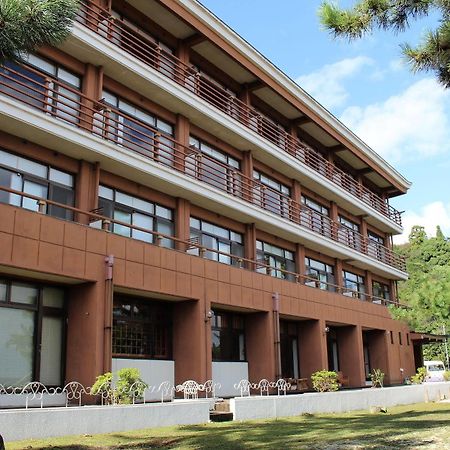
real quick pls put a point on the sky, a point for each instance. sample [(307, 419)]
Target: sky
[(405, 117)]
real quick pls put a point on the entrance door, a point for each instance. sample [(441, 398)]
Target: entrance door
[(289, 349)]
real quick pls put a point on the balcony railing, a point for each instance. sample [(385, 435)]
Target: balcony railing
[(181, 245), (57, 100), (100, 21)]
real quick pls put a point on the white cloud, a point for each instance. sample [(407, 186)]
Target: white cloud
[(326, 84), (409, 125), (429, 216)]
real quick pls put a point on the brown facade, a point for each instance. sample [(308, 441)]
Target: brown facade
[(98, 258)]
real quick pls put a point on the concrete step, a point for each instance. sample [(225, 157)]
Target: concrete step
[(222, 406)]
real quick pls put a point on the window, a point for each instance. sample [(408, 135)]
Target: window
[(277, 258), (315, 216), (135, 211), (214, 167), (407, 339), (381, 293), (31, 333), (216, 238), (289, 349), (392, 336), (349, 233), (400, 338), (319, 274), (142, 328), (228, 336), (136, 129), (25, 175), (48, 86), (271, 194), (376, 246), (353, 285)]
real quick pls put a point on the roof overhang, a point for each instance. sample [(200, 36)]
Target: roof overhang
[(427, 338)]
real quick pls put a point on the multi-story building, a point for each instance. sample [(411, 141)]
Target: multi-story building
[(171, 201)]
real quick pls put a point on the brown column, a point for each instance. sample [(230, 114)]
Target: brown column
[(334, 216), (338, 275), (300, 260), (351, 357), (182, 222), (182, 132), (250, 243), (260, 339), (92, 81), (190, 346), (86, 189), (296, 195), (313, 347), (363, 231), (368, 285), (247, 170)]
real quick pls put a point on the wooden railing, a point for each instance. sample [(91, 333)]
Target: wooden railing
[(100, 21), (158, 239), (56, 99)]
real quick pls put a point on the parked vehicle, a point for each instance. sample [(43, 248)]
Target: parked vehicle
[(435, 370)]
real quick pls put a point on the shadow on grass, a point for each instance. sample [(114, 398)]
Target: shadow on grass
[(380, 431)]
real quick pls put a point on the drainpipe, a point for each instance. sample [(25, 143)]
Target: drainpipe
[(276, 326), (107, 330)]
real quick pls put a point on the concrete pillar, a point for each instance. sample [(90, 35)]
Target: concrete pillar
[(296, 195), (338, 275), (300, 260), (191, 352), (351, 356), (313, 347), (260, 339), (182, 222), (247, 170), (250, 244), (182, 132), (368, 285), (86, 189)]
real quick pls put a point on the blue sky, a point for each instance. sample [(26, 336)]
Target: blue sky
[(403, 116)]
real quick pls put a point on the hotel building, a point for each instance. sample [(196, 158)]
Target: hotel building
[(170, 200)]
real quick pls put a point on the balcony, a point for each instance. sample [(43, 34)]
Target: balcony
[(100, 21), (44, 206), (96, 118)]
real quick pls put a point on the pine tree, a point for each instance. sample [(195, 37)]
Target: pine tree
[(432, 54), (28, 24)]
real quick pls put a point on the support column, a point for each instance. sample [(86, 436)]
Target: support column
[(247, 170), (368, 285), (260, 340), (296, 195), (351, 355), (182, 222), (338, 275), (334, 216), (363, 231), (313, 347), (86, 190), (300, 261), (250, 244), (182, 133)]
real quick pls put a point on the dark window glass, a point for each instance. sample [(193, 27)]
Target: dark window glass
[(319, 274), (279, 260), (348, 233), (314, 216), (228, 336), (23, 174), (271, 195), (289, 349), (142, 328), (392, 337), (381, 293), (353, 285)]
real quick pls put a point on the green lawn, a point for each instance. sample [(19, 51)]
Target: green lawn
[(421, 426)]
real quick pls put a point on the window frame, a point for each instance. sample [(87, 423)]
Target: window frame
[(325, 278), (266, 255), (360, 282), (229, 333)]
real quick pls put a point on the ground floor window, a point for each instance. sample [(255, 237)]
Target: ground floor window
[(289, 349), (142, 328), (228, 336), (31, 333)]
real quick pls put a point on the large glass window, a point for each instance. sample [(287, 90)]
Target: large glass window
[(271, 194), (136, 129), (320, 274), (41, 180), (216, 238), (228, 336), (217, 169), (353, 285), (376, 245), (279, 259), (31, 333), (142, 329), (314, 216), (289, 349), (349, 233), (44, 84), (135, 211), (381, 293)]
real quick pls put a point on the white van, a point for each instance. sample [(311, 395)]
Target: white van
[(435, 370)]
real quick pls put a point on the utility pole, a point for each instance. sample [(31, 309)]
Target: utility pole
[(446, 347)]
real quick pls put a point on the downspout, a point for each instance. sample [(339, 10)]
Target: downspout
[(108, 314), (276, 326)]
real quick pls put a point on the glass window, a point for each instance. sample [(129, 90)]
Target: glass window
[(142, 328), (319, 274), (138, 212), (353, 285), (271, 194), (217, 238), (22, 346), (228, 336), (348, 233), (36, 179), (279, 260), (315, 216), (381, 293)]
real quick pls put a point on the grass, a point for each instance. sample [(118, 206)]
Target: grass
[(421, 426)]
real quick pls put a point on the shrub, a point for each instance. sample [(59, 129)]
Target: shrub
[(447, 375), (377, 377), (325, 381), (129, 385), (419, 377)]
